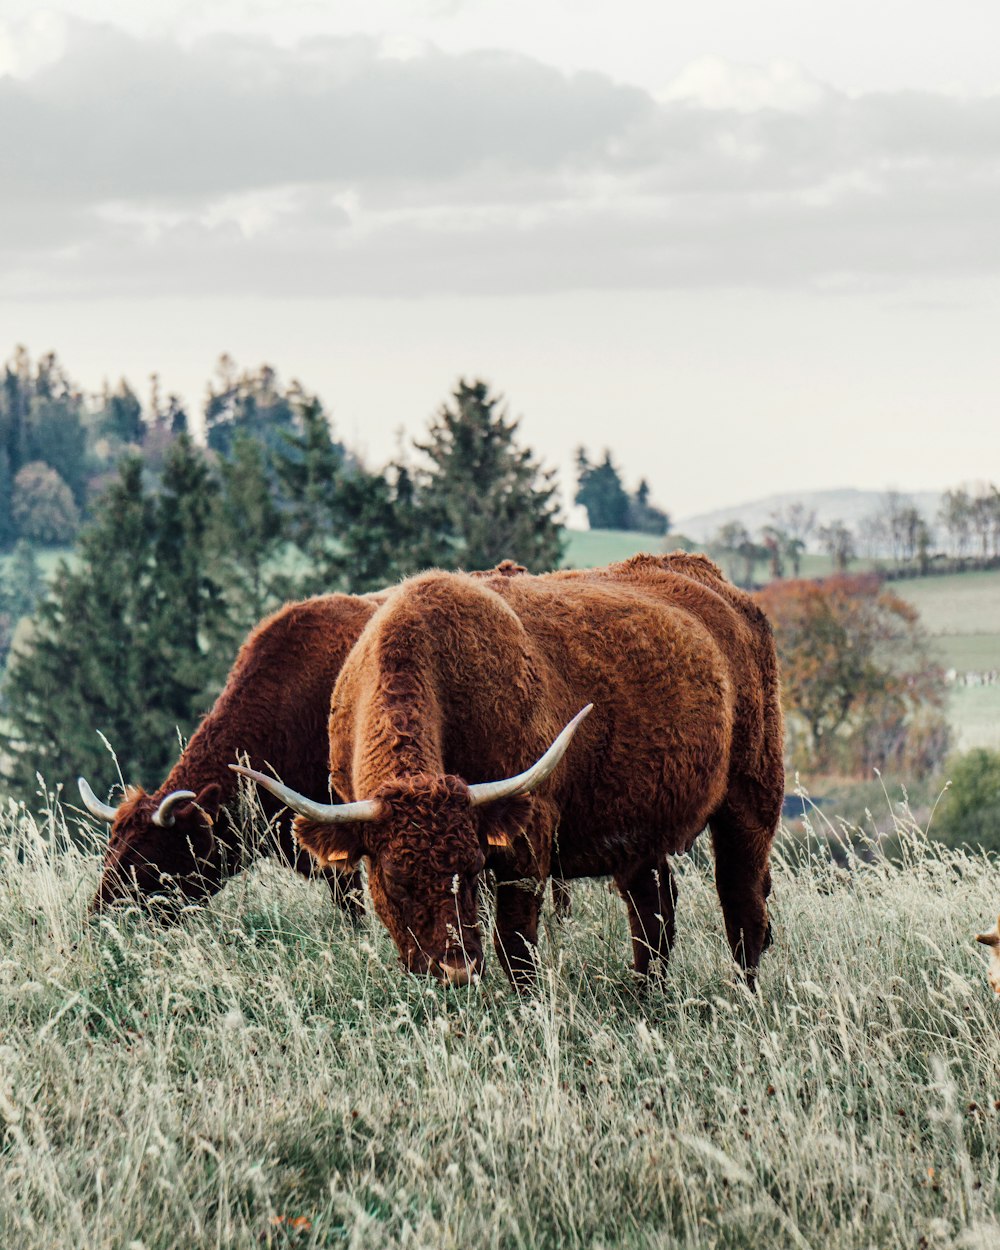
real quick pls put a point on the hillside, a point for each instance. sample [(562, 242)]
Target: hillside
[(848, 505)]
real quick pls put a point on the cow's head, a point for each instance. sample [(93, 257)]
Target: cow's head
[(160, 848), (426, 839)]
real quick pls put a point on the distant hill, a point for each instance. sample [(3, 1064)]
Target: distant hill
[(847, 505)]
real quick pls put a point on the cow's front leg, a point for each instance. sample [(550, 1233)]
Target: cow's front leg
[(348, 893), (515, 937)]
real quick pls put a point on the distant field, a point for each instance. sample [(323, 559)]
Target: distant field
[(588, 548), (961, 603), (47, 559), (962, 613), (968, 653), (974, 712)]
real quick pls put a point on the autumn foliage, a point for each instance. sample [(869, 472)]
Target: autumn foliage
[(860, 687)]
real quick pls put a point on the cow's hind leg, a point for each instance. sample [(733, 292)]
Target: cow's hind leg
[(743, 880), (651, 896)]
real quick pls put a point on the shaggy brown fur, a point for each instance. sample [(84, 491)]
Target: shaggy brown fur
[(457, 680), (274, 707)]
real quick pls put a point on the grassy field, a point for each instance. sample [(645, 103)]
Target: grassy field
[(961, 611), (48, 558), (962, 603), (974, 713), (263, 1075), (962, 614)]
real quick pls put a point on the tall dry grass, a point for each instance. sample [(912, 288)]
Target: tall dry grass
[(261, 1074)]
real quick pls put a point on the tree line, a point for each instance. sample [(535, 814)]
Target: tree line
[(896, 538)]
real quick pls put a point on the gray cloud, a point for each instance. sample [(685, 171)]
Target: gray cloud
[(140, 166)]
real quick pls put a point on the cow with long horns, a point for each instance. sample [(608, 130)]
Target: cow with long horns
[(179, 842), (455, 683)]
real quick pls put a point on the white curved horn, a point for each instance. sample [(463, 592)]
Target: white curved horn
[(489, 791), (162, 815), (319, 813), (93, 804)]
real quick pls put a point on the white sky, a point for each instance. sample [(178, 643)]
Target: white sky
[(754, 247)]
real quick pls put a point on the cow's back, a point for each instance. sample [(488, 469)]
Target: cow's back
[(475, 679), (275, 702)]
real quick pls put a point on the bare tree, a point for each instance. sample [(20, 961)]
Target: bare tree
[(838, 542), (955, 515)]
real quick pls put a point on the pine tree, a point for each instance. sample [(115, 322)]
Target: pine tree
[(125, 642), (381, 531), (84, 667), (249, 535), (644, 516), (600, 491), (190, 613), (488, 497), (56, 431), (8, 530), (15, 401), (308, 466), (248, 403), (356, 530), (122, 416)]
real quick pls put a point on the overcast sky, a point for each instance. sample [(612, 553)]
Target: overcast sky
[(753, 248)]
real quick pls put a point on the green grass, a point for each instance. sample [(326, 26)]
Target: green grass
[(974, 713), (261, 1062), (961, 611), (587, 549), (975, 653), (958, 603)]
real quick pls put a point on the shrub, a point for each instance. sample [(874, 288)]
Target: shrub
[(42, 506), (858, 677), (970, 810)]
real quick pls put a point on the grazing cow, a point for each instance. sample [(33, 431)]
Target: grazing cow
[(455, 682), (992, 940), (274, 707)]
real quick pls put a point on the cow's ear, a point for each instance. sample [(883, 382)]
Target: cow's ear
[(332, 846), (502, 822), (209, 799), (207, 804)]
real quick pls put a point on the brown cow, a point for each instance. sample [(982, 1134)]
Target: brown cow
[(455, 681), (178, 841)]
